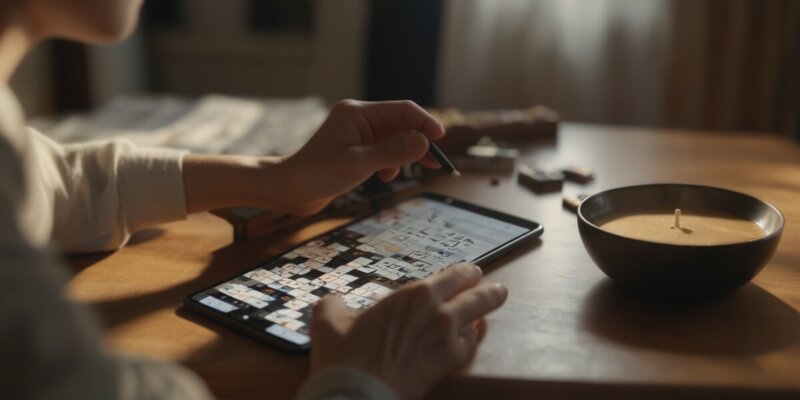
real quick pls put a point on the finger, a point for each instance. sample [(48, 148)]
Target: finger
[(455, 279), (331, 313), (480, 327), (392, 152), (466, 344), (388, 174), (473, 304), (402, 115), (468, 329)]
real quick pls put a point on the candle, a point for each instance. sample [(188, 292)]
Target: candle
[(706, 228)]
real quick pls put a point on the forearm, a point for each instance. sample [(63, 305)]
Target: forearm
[(218, 181)]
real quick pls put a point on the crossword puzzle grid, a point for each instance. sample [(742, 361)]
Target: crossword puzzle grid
[(364, 263)]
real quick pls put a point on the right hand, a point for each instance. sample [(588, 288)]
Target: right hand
[(413, 338), (357, 140)]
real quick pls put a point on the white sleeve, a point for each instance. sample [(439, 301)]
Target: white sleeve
[(101, 192), (50, 348), (344, 384)]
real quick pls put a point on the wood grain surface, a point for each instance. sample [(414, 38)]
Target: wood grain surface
[(565, 332)]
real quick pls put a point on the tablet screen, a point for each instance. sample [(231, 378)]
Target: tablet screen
[(363, 262)]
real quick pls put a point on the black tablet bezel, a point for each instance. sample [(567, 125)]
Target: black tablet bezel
[(535, 230)]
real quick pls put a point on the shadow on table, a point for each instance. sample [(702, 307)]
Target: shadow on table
[(145, 235), (79, 262), (225, 262), (748, 322), (232, 364), (511, 256)]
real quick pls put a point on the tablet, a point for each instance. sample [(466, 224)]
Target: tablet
[(363, 261)]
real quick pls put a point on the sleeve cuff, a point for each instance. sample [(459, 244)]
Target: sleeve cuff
[(151, 187), (344, 383)]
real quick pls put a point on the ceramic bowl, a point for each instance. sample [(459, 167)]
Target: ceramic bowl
[(669, 269)]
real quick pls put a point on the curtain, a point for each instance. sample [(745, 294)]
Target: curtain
[(711, 64), (735, 65)]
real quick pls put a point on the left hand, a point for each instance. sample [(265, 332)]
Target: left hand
[(357, 140), (411, 339)]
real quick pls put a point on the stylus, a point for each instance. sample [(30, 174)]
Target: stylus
[(436, 152)]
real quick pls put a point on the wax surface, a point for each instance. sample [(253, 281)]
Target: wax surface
[(696, 230)]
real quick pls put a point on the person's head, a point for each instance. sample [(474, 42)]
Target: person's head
[(93, 21)]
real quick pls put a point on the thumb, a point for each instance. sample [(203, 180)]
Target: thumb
[(331, 315), (395, 151)]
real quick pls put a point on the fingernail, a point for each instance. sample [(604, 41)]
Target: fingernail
[(416, 143), (469, 268), (501, 289)]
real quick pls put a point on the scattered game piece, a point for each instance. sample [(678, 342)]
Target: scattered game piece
[(572, 203), (464, 128), (487, 155), (540, 181), (578, 174)]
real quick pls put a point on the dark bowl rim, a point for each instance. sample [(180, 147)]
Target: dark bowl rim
[(765, 238)]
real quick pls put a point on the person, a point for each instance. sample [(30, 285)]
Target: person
[(90, 197)]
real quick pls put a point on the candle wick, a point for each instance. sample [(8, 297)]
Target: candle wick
[(677, 222)]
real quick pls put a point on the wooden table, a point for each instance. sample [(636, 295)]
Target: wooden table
[(565, 331)]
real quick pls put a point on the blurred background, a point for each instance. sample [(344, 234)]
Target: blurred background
[(704, 64)]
